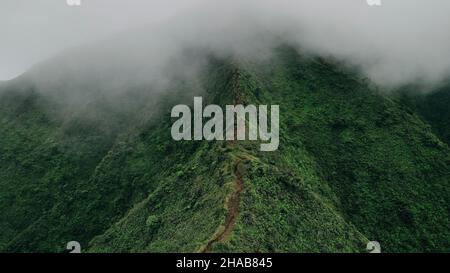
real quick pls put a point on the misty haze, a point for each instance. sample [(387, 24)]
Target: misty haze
[(361, 127), (402, 41)]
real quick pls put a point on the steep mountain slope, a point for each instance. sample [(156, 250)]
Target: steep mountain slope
[(276, 211), (46, 169), (433, 106), (353, 165), (390, 174)]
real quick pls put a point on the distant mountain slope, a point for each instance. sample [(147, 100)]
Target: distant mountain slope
[(433, 106), (353, 166), (46, 168)]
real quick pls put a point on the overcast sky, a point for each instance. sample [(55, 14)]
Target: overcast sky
[(33, 30), (398, 42)]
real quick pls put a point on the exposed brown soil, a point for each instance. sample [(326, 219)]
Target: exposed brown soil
[(233, 211), (224, 232)]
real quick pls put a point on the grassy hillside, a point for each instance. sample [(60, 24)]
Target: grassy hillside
[(353, 166)]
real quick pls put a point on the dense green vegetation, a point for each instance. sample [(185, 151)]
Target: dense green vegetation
[(387, 171), (433, 106), (353, 165)]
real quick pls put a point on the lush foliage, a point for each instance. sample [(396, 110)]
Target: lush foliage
[(354, 165)]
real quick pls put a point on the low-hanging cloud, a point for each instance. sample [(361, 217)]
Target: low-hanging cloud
[(400, 42)]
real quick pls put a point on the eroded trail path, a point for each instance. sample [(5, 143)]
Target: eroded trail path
[(234, 199), (233, 211)]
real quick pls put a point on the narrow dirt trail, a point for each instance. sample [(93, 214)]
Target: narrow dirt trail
[(234, 199), (233, 211)]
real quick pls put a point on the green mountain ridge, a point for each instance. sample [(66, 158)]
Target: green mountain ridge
[(353, 165)]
